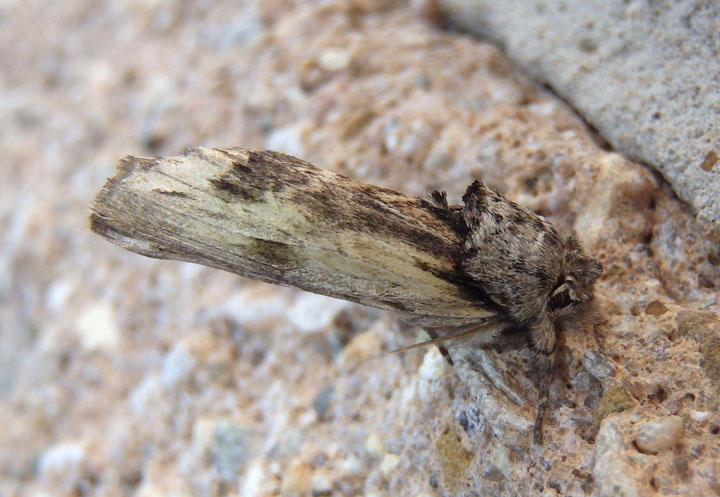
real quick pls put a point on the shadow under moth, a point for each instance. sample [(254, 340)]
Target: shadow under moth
[(487, 268)]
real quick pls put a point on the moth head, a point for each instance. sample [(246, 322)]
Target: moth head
[(575, 284)]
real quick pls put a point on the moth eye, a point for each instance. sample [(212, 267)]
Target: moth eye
[(564, 294), (560, 299)]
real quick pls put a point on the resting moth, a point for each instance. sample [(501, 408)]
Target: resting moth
[(485, 266)]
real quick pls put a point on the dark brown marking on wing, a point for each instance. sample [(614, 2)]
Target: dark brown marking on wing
[(170, 193)]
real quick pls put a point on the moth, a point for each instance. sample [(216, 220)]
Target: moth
[(489, 267)]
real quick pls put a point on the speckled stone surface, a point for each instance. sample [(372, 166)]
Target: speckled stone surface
[(122, 375), (645, 74)]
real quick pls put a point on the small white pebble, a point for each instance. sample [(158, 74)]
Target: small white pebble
[(251, 481), (202, 437), (60, 465), (361, 347), (57, 296), (310, 312), (97, 327), (321, 484), (286, 139), (409, 392), (144, 397), (433, 365), (543, 109), (254, 304), (659, 434), (699, 416), (334, 59), (351, 464), (177, 366), (374, 445), (389, 463)]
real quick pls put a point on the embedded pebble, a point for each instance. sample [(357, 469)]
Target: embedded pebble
[(612, 472), (322, 402), (229, 448), (321, 485), (454, 459), (433, 365), (374, 445), (178, 365), (203, 432), (97, 327), (659, 434), (57, 296), (615, 181), (598, 365), (298, 479), (250, 484), (286, 139), (334, 59), (388, 464), (699, 416), (61, 465), (143, 399), (310, 312), (362, 347), (615, 399)]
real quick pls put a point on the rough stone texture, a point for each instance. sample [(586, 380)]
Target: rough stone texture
[(122, 375), (645, 74)]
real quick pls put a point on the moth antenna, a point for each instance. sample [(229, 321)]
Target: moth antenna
[(435, 341)]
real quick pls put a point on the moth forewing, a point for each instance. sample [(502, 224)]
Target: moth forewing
[(271, 217)]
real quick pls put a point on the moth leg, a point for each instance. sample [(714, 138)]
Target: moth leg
[(544, 342), (441, 347)]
